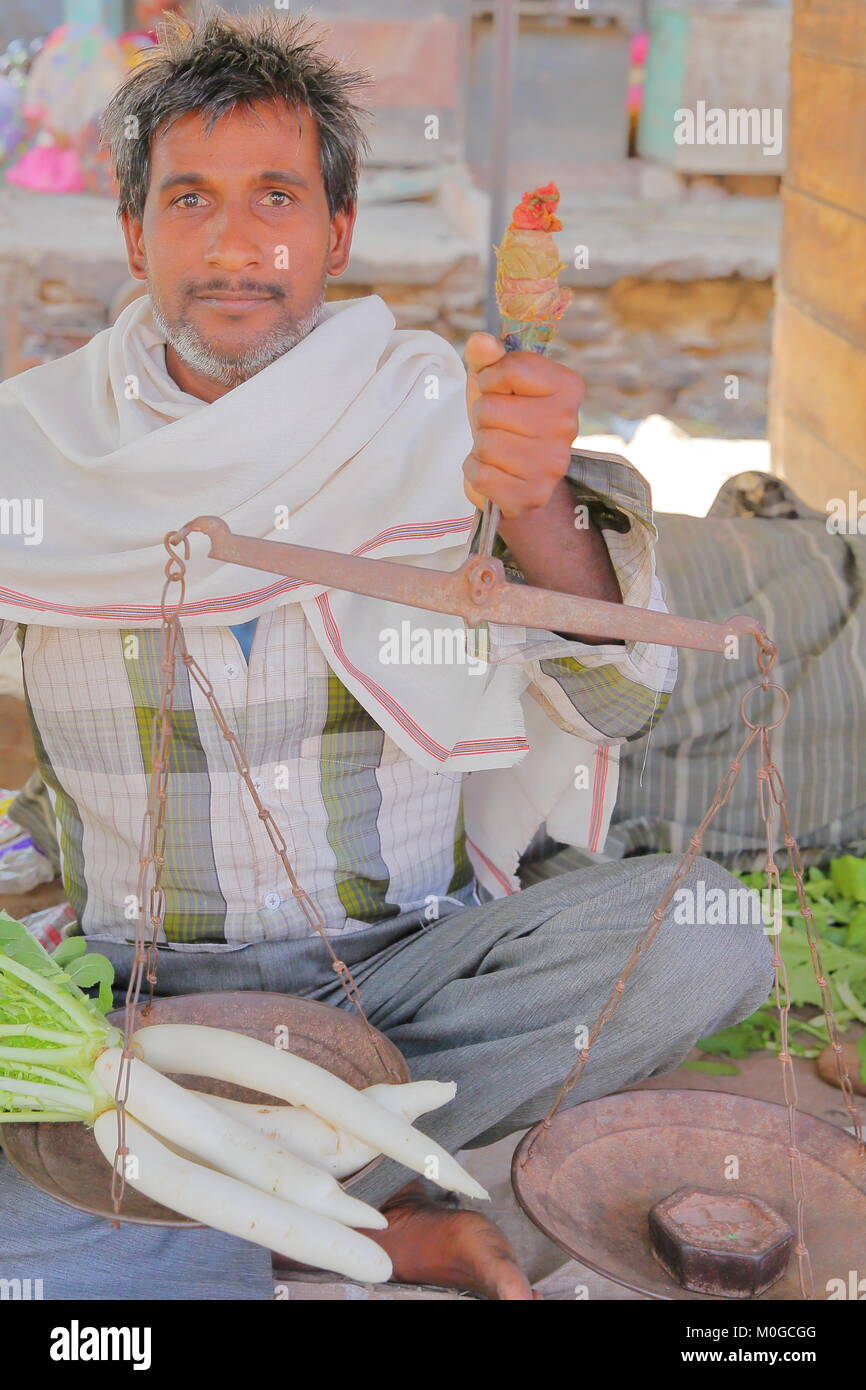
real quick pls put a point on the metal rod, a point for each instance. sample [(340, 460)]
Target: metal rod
[(489, 526), (477, 592)]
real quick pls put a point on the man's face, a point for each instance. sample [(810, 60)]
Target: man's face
[(236, 242)]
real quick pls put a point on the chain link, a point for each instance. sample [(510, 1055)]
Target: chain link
[(152, 854), (771, 794)]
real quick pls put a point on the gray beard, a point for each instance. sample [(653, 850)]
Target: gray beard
[(198, 354)]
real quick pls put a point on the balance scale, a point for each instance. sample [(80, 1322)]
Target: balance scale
[(631, 1185)]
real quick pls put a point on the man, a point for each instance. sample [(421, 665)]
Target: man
[(233, 389)]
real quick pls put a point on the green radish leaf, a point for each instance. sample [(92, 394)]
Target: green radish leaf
[(856, 933), (821, 911), (843, 909), (837, 934), (94, 970), (811, 889), (849, 877), (68, 950), (837, 900), (713, 1068), (19, 945), (737, 1041), (36, 992)]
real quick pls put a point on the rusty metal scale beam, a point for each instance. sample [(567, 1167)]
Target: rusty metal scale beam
[(477, 592)]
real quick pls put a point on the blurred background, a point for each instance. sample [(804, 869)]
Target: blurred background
[(675, 251)]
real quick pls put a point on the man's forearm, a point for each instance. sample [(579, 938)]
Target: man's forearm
[(553, 553)]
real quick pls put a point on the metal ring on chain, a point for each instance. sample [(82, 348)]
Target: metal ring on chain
[(769, 686)]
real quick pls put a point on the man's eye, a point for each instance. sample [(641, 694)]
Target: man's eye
[(274, 193)]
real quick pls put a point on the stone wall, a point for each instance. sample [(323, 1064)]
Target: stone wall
[(671, 314), (696, 351)]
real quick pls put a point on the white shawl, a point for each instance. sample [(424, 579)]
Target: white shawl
[(357, 436)]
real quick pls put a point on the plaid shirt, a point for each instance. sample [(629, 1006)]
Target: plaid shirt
[(370, 833)]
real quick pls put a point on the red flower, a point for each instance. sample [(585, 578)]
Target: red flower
[(537, 210)]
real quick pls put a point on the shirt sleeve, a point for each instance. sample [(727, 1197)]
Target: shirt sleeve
[(611, 693)]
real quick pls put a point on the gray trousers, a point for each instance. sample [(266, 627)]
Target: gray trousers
[(489, 997)]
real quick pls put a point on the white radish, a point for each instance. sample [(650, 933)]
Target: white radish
[(231, 1206), (199, 1051), (333, 1150), (412, 1098), (293, 1126), (407, 1101), (195, 1126)]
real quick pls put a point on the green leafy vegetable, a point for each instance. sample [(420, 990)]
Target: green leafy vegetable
[(848, 876), (50, 1030), (17, 944), (838, 901)]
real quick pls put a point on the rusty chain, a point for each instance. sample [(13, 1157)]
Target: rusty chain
[(768, 779), (152, 852)]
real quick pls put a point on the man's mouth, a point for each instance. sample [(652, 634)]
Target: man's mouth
[(236, 303)]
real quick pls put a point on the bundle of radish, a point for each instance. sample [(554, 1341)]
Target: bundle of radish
[(265, 1173), (301, 1132)]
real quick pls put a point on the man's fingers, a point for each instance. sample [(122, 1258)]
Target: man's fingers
[(532, 417), (481, 351), (522, 456), (531, 374), (511, 492)]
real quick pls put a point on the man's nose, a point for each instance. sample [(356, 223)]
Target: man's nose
[(232, 243)]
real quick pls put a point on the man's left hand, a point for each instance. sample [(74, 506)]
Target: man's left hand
[(524, 414)]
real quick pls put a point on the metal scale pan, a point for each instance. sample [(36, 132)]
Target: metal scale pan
[(64, 1160), (597, 1170)]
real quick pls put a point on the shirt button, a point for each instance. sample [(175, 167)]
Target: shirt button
[(231, 671), (272, 900)]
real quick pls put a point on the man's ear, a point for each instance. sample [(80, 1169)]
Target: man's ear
[(342, 227), (132, 236)]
